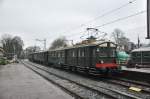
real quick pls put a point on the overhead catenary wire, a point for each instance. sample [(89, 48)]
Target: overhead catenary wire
[(120, 19), (110, 12), (105, 14)]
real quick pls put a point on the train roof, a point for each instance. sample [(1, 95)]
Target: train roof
[(76, 46), (83, 45), (39, 52), (141, 49)]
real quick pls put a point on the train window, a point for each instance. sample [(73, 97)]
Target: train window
[(133, 54), (82, 53), (146, 54), (94, 53), (59, 54), (50, 54), (62, 54), (69, 52), (54, 54), (138, 54), (78, 53), (73, 54)]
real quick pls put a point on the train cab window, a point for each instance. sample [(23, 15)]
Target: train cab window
[(112, 52), (102, 52)]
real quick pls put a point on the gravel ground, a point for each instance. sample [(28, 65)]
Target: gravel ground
[(81, 91), (97, 84)]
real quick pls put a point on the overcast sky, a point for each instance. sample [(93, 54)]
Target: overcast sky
[(32, 19)]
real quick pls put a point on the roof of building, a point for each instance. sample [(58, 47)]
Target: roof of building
[(141, 49)]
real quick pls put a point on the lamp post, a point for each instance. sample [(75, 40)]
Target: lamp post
[(44, 42)]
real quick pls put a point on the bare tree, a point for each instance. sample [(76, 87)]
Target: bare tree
[(6, 43), (59, 42), (12, 45), (117, 35), (17, 45), (120, 39)]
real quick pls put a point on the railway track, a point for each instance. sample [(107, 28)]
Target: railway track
[(73, 88), (92, 90), (145, 88), (132, 81)]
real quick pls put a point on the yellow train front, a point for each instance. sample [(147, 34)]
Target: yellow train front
[(98, 57)]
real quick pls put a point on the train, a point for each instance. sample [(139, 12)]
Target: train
[(98, 57), (140, 58)]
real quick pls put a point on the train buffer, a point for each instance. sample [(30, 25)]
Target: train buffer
[(19, 82)]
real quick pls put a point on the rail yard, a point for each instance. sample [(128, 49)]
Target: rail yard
[(75, 49)]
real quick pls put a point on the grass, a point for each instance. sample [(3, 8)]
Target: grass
[(3, 61)]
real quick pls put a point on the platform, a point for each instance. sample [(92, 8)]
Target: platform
[(19, 82), (142, 70), (141, 74)]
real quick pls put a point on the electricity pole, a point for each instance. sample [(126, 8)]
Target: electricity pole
[(44, 42), (148, 19)]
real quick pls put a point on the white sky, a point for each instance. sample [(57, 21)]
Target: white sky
[(32, 19)]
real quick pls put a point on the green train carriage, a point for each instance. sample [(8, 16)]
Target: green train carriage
[(140, 58)]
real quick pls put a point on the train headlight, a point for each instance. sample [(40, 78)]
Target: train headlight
[(101, 61)]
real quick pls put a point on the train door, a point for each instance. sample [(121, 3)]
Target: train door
[(66, 56), (87, 59), (93, 56)]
